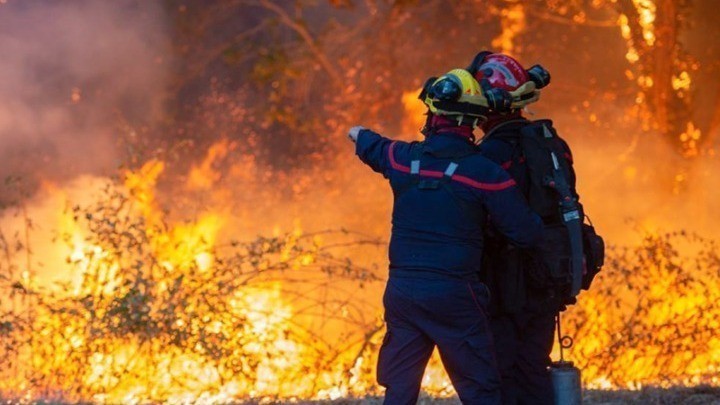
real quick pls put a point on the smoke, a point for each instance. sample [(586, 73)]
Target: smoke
[(72, 72), (632, 182)]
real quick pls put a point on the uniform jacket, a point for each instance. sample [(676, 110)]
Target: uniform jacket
[(439, 231)]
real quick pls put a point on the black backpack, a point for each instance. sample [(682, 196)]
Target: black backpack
[(572, 253)]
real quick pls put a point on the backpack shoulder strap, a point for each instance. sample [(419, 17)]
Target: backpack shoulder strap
[(553, 172)]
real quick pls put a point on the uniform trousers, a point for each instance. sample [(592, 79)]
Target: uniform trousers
[(421, 313)]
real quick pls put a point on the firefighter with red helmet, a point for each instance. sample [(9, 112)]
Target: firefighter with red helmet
[(445, 196), (525, 297)]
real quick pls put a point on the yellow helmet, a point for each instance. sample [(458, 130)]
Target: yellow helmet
[(442, 95)]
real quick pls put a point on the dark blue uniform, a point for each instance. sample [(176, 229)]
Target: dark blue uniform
[(522, 316), (444, 194)]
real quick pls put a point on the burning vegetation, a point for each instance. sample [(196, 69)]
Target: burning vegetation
[(160, 311), (217, 263)]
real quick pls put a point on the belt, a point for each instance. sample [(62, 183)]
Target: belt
[(433, 275)]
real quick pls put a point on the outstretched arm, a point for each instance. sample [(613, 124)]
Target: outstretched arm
[(371, 148)]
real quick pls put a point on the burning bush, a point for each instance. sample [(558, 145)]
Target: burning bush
[(159, 312), (162, 307), (652, 316)]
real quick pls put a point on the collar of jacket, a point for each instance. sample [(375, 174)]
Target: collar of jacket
[(448, 144), (505, 126)]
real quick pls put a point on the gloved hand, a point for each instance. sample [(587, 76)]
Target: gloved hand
[(354, 132)]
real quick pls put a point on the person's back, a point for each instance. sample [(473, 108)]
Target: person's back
[(444, 194), (525, 300)]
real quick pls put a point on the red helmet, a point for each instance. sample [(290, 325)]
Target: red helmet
[(505, 83), (502, 71)]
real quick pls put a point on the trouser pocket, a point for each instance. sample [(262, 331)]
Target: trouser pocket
[(480, 295)]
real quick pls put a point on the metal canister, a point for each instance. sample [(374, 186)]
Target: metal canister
[(566, 383)]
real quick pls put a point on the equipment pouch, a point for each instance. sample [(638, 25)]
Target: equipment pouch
[(553, 256), (594, 248)]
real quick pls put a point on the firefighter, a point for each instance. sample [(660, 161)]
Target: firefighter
[(444, 193), (525, 302)]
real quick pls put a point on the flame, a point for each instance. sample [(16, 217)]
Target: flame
[(414, 114), (678, 306), (513, 23), (647, 11), (204, 175), (645, 81), (659, 85), (632, 55), (158, 310), (681, 81), (690, 140), (97, 341)]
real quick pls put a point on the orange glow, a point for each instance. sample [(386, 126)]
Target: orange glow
[(647, 11), (219, 282), (512, 21), (679, 306), (681, 81), (255, 324), (159, 299), (690, 139), (204, 175), (414, 116), (632, 53)]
